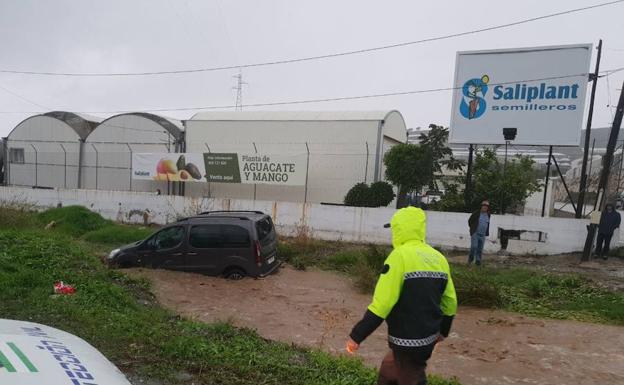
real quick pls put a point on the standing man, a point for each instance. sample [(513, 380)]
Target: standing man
[(609, 221), (479, 224), (415, 296)]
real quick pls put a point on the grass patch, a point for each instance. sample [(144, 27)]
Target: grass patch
[(118, 234), (80, 222), (118, 315), (73, 220), (521, 290)]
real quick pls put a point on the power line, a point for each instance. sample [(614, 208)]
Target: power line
[(321, 100), (8, 91), (321, 57)]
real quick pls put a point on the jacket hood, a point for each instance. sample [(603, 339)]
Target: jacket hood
[(408, 224)]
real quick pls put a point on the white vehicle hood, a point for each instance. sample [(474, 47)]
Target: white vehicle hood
[(35, 354)]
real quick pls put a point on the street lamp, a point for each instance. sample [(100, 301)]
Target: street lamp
[(509, 133)]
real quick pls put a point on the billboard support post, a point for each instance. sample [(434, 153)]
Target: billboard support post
[(468, 188), (550, 156), (583, 185), (606, 168)]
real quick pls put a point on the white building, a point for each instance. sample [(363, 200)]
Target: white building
[(344, 148), (108, 150), (45, 150)]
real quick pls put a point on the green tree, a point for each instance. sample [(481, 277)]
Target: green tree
[(410, 168), (452, 200), (442, 155), (505, 188)]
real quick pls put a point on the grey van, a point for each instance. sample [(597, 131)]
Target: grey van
[(232, 244)]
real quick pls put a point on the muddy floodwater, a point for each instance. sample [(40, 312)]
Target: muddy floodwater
[(318, 308)]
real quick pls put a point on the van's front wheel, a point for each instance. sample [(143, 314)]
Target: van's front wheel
[(234, 273)]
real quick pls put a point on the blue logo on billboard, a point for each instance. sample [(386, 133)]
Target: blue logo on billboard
[(473, 103)]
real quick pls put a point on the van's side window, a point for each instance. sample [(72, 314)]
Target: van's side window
[(169, 238), (218, 236)]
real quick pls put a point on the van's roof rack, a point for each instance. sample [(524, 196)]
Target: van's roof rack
[(231, 211), (214, 216)]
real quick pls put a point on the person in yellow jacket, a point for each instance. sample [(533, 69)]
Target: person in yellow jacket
[(415, 296)]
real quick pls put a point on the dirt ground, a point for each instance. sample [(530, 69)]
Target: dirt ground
[(318, 308)]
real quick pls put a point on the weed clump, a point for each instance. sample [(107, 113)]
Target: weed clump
[(73, 220)]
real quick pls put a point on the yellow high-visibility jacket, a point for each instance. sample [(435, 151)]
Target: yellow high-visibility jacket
[(415, 292)]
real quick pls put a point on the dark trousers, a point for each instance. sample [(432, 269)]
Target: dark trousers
[(399, 368), (603, 239)]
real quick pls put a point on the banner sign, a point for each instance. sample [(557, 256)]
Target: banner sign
[(285, 170), (540, 91)]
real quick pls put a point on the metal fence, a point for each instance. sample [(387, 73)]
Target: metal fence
[(331, 168)]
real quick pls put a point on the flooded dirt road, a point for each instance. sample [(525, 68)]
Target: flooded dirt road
[(318, 308)]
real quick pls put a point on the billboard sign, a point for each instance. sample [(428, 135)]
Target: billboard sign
[(284, 170), (540, 91)]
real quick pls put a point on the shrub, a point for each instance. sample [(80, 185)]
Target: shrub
[(357, 196), (378, 194), (381, 194)]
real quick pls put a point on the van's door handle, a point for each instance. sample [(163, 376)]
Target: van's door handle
[(191, 253), (176, 254)]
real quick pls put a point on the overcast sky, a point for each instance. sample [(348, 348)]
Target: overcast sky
[(158, 35)]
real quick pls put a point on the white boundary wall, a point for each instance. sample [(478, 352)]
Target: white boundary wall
[(445, 229)]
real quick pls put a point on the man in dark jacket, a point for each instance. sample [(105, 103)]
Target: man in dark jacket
[(479, 225), (609, 221), (415, 296)]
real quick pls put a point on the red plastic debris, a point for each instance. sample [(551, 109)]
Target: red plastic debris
[(61, 288)]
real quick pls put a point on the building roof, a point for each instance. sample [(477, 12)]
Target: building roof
[(173, 126), (292, 115), (82, 124)]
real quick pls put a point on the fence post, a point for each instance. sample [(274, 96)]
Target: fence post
[(81, 143), (209, 191), (305, 198), (65, 161), (255, 185), (366, 167), (130, 165), (6, 162), (97, 164), (36, 163)]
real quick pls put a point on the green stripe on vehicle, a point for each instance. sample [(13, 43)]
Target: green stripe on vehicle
[(22, 357), (6, 363)]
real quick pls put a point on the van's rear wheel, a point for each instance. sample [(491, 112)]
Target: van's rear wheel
[(234, 274)]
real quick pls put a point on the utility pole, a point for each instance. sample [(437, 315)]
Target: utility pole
[(604, 177), (239, 90), (582, 187)]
